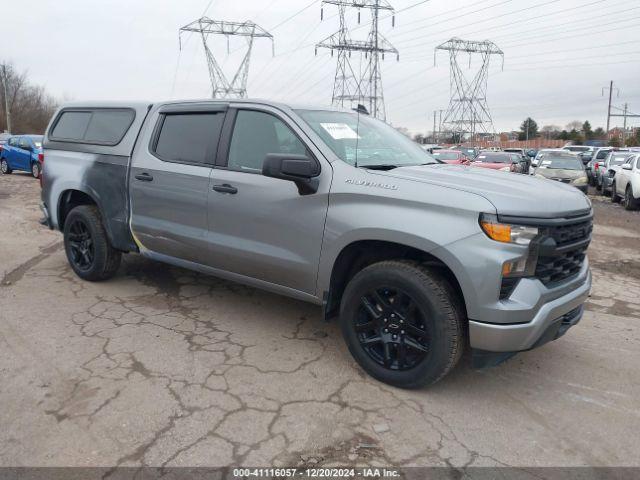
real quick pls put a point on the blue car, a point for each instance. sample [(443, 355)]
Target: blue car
[(22, 152)]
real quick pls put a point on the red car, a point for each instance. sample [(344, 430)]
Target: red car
[(453, 157), (507, 162)]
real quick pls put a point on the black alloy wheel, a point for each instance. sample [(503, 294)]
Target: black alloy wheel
[(391, 328), (81, 246)]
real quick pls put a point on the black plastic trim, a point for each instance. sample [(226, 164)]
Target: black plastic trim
[(576, 217)]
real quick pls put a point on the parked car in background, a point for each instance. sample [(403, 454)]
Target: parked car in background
[(565, 168), (468, 151), (585, 151), (455, 157), (599, 155), (605, 170), (22, 152), (431, 147), (4, 137), (506, 162), (626, 183), (525, 158), (542, 153)]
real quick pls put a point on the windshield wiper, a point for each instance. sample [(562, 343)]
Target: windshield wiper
[(382, 166)]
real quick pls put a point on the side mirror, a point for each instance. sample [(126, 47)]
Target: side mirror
[(627, 166), (299, 169)]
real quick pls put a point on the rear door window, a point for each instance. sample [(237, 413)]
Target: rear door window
[(189, 137), (104, 126)]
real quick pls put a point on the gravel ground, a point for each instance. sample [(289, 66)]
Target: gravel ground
[(161, 366)]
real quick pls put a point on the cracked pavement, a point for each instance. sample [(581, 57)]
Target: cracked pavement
[(165, 367)]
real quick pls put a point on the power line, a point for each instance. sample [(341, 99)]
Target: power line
[(294, 15)]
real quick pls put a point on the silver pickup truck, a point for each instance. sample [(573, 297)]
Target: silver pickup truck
[(418, 259)]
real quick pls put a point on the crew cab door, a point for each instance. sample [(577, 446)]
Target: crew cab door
[(261, 227), (169, 180)]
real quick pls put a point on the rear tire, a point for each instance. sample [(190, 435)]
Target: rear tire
[(87, 246), (35, 170), (403, 323), (615, 198), (630, 203), (4, 167)]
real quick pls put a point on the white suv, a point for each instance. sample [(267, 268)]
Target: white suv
[(626, 183)]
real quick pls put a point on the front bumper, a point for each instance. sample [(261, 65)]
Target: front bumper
[(515, 337)]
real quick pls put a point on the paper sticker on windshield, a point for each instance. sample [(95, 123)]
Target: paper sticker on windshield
[(339, 131), (546, 162)]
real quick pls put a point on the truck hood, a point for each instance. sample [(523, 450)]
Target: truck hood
[(510, 193)]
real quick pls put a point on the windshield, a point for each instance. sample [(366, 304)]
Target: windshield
[(445, 155), (561, 163), (618, 159), (494, 158), (365, 141)]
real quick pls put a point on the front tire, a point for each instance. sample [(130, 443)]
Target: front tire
[(402, 322), (4, 167), (35, 170), (87, 246)]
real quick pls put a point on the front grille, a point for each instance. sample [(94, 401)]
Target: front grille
[(571, 243), (563, 180), (551, 270)]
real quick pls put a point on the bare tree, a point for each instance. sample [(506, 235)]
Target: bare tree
[(30, 106), (575, 125), (549, 131)]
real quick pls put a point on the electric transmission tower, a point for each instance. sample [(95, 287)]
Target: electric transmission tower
[(221, 87), (359, 82), (468, 112)]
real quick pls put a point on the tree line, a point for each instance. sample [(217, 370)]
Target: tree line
[(30, 106), (576, 131)]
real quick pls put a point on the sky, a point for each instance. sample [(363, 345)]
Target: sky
[(558, 54)]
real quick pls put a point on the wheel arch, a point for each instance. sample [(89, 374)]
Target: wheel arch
[(361, 253), (71, 198)]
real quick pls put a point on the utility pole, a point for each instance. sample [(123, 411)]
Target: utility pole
[(624, 128), (5, 80), (609, 107), (434, 126), (221, 87)]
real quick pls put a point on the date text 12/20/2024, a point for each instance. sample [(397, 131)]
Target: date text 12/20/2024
[(315, 473)]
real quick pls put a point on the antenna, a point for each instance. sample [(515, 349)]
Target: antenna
[(221, 87)]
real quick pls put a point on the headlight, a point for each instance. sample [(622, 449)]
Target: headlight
[(580, 181), (505, 169), (506, 233)]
